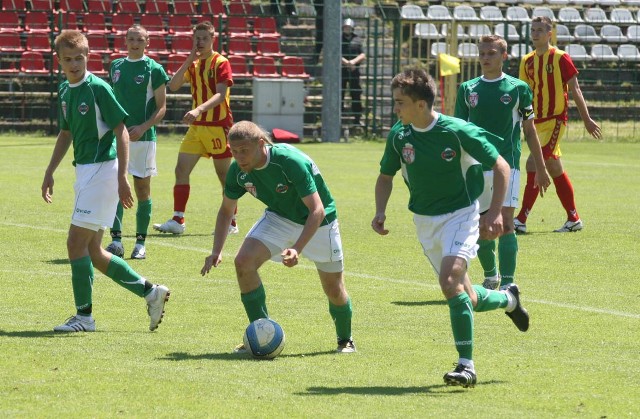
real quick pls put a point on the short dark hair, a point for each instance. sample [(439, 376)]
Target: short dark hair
[(543, 19), (416, 83)]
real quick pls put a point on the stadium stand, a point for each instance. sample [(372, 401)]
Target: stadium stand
[(543, 11), (426, 31), (239, 67), (412, 11), (265, 27), (240, 45), (95, 64), (477, 31), (94, 23), (293, 67), (120, 23), (10, 42), (184, 7), (511, 35), (38, 41), (42, 5), (76, 6), (438, 48), (37, 21), (444, 31), (10, 21), (518, 51), (265, 67), (517, 14), (181, 44), (595, 15), (603, 52), (569, 15), (154, 24), (438, 12), (586, 34), (633, 33), (563, 35), (621, 15), (99, 43), (612, 33), (32, 62), (180, 25), (464, 12), (577, 52), (157, 7), (468, 50), (128, 7), (174, 61), (99, 6), (269, 47), (628, 53), (492, 13)]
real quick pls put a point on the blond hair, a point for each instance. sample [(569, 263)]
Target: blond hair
[(247, 130), (71, 38)]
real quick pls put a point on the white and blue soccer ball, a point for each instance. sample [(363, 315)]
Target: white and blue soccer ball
[(264, 339)]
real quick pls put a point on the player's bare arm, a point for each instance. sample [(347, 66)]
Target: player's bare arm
[(217, 99), (576, 93), (542, 180), (160, 96), (225, 214), (63, 142), (491, 225), (290, 256), (122, 146), (384, 186)]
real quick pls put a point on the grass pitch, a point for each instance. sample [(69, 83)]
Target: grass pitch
[(579, 359)]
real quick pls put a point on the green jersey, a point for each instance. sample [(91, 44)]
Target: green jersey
[(288, 176), (90, 111), (134, 83), (499, 106), (441, 165)]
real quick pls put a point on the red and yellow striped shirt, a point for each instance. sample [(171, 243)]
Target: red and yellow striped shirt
[(547, 75), (204, 75)]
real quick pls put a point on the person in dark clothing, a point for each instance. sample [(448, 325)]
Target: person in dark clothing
[(352, 56)]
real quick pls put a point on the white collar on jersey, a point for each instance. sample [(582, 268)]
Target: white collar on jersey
[(86, 74), (483, 78), (431, 125)]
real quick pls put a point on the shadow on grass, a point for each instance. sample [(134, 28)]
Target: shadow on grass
[(34, 334), (176, 236), (420, 303), (57, 261), (228, 356), (388, 390)]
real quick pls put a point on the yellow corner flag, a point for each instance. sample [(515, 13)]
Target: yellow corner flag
[(449, 65)]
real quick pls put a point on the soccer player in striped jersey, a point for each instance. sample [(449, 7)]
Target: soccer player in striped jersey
[(550, 73), (440, 158), (139, 84), (209, 74), (92, 120), (501, 104), (300, 219)]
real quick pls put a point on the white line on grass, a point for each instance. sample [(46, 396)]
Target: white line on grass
[(418, 283)]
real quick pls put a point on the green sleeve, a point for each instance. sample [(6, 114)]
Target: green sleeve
[(112, 112), (391, 163), (232, 188), (479, 143), (158, 76), (462, 110)]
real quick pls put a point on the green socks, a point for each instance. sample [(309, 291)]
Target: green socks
[(487, 257), (341, 316), (116, 230), (143, 218), (82, 283), (507, 254), (255, 304), (461, 313), (123, 275), (489, 300)]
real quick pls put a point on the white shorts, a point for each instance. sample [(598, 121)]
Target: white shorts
[(453, 234), (278, 233), (142, 159), (513, 190), (96, 191)]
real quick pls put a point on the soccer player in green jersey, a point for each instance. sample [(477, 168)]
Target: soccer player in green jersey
[(440, 158), (92, 120), (139, 85), (501, 104), (300, 219)]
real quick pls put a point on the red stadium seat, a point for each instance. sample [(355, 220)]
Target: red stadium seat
[(174, 61), (94, 23), (240, 45), (265, 67), (157, 7), (269, 47), (37, 22), (69, 20), (72, 5), (158, 45), (42, 5), (239, 68), (9, 21), (184, 7), (17, 5), (212, 8), (95, 64), (99, 6), (10, 42), (181, 44), (238, 25), (180, 25), (239, 7), (120, 23), (98, 43), (32, 62), (128, 7), (293, 67), (153, 24), (39, 41), (265, 27)]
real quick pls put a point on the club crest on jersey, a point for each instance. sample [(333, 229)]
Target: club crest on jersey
[(473, 99), (83, 108), (448, 154), (549, 68), (280, 188), (249, 187), (63, 105), (506, 99), (139, 78), (408, 153), (116, 76)]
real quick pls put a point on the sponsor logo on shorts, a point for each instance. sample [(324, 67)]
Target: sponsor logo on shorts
[(448, 154), (506, 99), (474, 97), (83, 108), (116, 76), (82, 211), (408, 153), (280, 188), (139, 78)]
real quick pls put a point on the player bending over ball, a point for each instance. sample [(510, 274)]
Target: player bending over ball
[(300, 219), (440, 158)]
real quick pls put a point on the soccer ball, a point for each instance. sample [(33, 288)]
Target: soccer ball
[(264, 339)]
